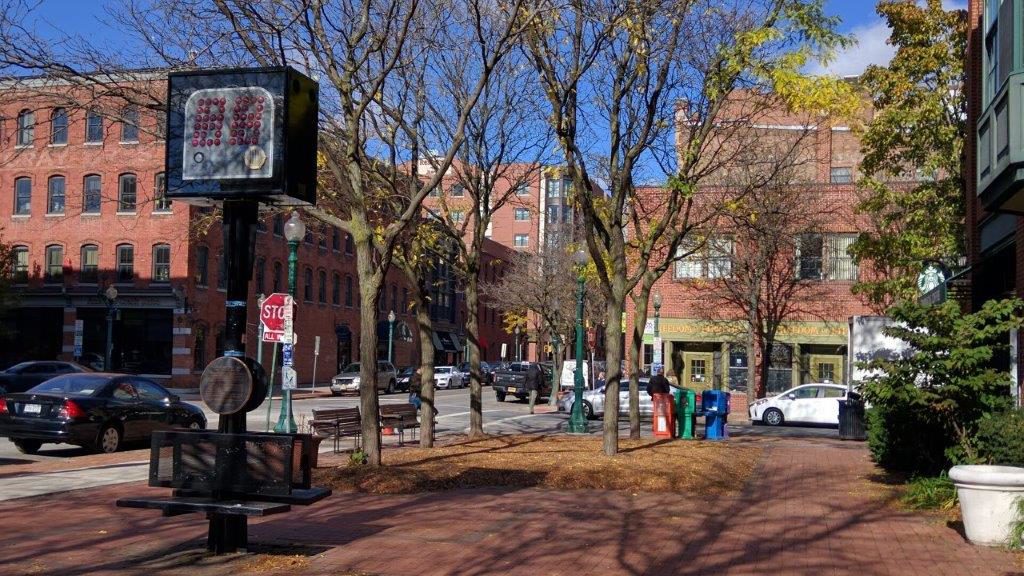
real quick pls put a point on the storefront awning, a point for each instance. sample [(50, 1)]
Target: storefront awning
[(447, 341)]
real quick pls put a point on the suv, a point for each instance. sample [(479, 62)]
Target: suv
[(348, 379), (511, 381)]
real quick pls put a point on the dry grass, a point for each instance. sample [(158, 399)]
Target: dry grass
[(556, 462)]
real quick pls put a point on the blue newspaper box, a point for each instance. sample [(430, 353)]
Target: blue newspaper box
[(716, 411)]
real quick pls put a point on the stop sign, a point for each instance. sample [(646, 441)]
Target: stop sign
[(274, 311)]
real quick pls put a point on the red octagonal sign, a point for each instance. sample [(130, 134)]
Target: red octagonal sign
[(274, 310)]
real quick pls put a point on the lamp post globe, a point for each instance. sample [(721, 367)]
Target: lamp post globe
[(294, 232)]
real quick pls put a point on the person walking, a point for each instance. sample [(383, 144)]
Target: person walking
[(533, 376), (658, 383), (415, 385)]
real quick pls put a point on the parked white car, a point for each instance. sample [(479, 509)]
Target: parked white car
[(447, 377), (808, 403)]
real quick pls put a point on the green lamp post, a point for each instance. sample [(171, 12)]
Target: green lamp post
[(578, 424), (294, 231), (391, 335)]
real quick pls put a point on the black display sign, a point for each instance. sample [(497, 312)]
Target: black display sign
[(242, 134)]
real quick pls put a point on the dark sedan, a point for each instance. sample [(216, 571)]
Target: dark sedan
[(25, 375), (95, 410)]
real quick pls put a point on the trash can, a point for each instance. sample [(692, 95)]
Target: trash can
[(851, 418), (663, 417), (716, 410), (686, 413)]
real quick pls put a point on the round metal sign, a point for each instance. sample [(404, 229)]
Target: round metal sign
[(226, 385)]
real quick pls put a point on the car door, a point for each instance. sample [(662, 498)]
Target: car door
[(827, 407), (125, 406), (154, 407), (624, 397), (801, 404)]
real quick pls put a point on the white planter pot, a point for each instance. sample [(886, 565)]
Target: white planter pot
[(988, 501)]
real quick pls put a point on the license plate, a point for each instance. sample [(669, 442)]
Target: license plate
[(511, 389), (32, 409)]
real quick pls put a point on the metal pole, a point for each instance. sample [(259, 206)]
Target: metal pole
[(391, 336), (270, 389), (577, 424), (286, 421), (110, 337), (556, 375)]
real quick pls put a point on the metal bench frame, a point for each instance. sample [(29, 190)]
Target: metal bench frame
[(339, 423)]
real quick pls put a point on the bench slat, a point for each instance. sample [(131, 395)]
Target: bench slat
[(187, 504)]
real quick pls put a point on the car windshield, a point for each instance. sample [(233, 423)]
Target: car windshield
[(354, 367), (443, 370), (81, 384), (406, 372)]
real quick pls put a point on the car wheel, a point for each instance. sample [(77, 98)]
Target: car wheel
[(333, 393), (588, 411), (772, 417), (195, 425), (109, 440), (391, 387), (27, 446), (500, 396)]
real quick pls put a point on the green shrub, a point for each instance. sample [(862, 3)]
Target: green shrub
[(901, 440), (1000, 438), (930, 493)]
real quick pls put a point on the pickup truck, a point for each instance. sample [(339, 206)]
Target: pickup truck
[(511, 381)]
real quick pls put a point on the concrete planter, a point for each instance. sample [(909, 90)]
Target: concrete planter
[(988, 501)]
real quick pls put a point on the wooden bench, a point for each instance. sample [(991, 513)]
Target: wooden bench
[(339, 423), (399, 416)]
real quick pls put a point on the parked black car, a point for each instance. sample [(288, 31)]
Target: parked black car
[(25, 375), (94, 410), (402, 379), (511, 381), (485, 367)]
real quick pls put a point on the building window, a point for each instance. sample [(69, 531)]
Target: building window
[(521, 240), (840, 175), (89, 273), (20, 264), (394, 298), (54, 264), (278, 225), (348, 291), (261, 273), (93, 127), (349, 244), (261, 226), (321, 241), (458, 216), (336, 289), (457, 190), (780, 369), (335, 239), (322, 287), (202, 265), (554, 188), (713, 260), (59, 126), (55, 195), (522, 214), (307, 288), (23, 196), (125, 263), (991, 64), (839, 264), (160, 201), (825, 257), (26, 127), (91, 194), (126, 192), (162, 263), (522, 189), (130, 124), (222, 271), (277, 277)]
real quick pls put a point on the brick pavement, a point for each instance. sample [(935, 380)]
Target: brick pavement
[(807, 510)]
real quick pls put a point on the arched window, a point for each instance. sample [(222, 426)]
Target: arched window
[(125, 263), (89, 273), (336, 289), (20, 264), (26, 127), (54, 263), (55, 195), (349, 244), (202, 266), (322, 287), (307, 288), (348, 291), (59, 126), (91, 190), (160, 201), (335, 239), (23, 196), (277, 277), (278, 225), (127, 188), (129, 124), (93, 127), (162, 263)]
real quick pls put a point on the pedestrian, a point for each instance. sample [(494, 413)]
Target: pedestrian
[(533, 376), (600, 380), (658, 383), (415, 385)]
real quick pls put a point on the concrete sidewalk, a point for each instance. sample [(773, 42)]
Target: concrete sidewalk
[(809, 509)]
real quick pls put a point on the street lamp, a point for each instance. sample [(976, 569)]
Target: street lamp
[(294, 232), (577, 424), (391, 334), (657, 332), (111, 296), (519, 357)]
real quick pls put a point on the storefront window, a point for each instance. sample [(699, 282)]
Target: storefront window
[(780, 369)]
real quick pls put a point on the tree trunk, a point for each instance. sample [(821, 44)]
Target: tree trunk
[(613, 369), (476, 412), (636, 344), (766, 356), (369, 406), (751, 350), (426, 331)]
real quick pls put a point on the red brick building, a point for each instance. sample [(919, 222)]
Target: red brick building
[(81, 198)]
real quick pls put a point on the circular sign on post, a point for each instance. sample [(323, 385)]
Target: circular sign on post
[(230, 385)]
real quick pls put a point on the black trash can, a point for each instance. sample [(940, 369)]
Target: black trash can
[(851, 418)]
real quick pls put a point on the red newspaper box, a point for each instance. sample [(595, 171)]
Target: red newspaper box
[(664, 417)]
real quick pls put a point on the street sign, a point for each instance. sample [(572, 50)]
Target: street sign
[(316, 346), (289, 378), (277, 313), (79, 328), (286, 354)]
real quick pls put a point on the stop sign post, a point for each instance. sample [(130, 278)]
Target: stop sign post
[(277, 314)]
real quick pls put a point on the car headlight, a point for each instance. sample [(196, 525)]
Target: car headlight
[(356, 380)]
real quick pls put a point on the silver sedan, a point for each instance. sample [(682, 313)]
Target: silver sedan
[(593, 400)]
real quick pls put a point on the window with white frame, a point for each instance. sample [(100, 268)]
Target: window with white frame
[(20, 264), (162, 263), (160, 201), (89, 273), (26, 127), (522, 214), (458, 215), (841, 175), (825, 257), (93, 127), (54, 263), (125, 263), (522, 189), (713, 259), (59, 126), (130, 124), (521, 240), (91, 189), (55, 195), (127, 185)]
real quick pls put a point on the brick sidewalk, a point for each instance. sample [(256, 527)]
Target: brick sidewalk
[(807, 510)]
